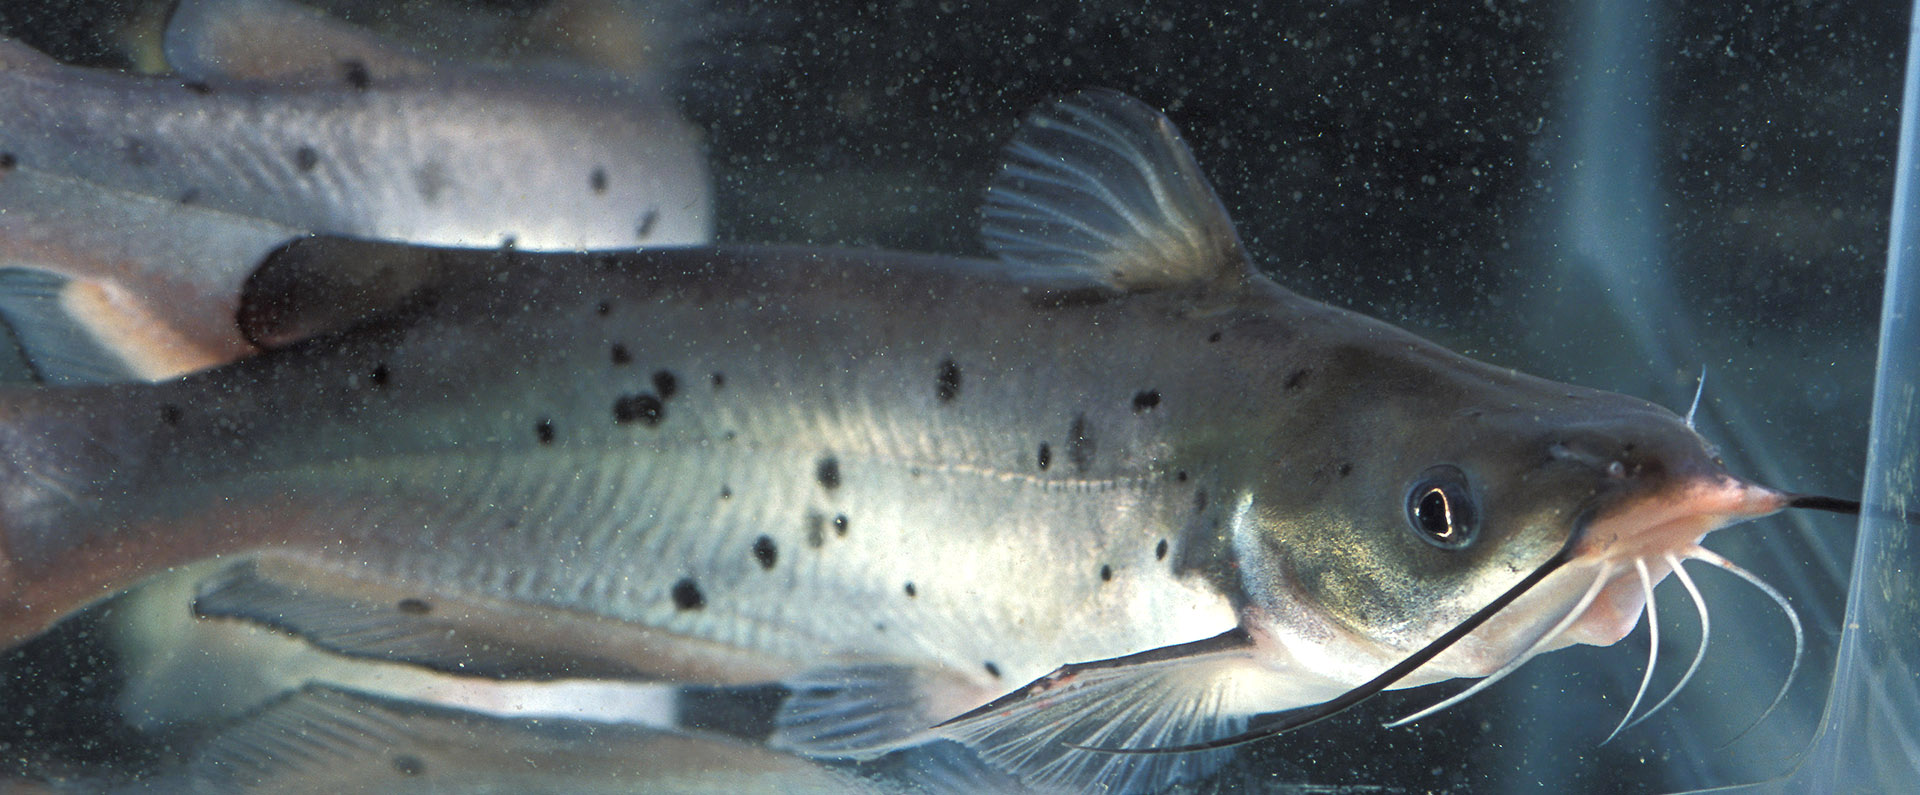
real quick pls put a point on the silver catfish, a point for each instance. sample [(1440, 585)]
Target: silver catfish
[(155, 196), (906, 487)]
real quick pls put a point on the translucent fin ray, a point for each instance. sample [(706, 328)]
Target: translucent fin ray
[(1100, 182)]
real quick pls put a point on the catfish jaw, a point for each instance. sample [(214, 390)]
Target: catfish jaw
[(1333, 567)]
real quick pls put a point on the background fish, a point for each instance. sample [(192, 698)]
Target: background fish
[(159, 193)]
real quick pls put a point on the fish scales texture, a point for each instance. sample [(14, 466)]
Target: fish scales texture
[(396, 428), (473, 152)]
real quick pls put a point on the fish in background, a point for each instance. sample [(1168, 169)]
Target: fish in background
[(1086, 508), (327, 130), (124, 274)]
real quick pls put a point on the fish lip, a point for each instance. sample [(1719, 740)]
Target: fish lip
[(1661, 518)]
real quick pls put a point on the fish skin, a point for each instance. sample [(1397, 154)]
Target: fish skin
[(465, 158), (521, 414)]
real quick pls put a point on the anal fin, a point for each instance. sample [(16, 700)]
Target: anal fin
[(464, 634), (327, 740)]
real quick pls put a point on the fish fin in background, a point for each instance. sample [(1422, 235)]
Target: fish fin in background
[(326, 740), (369, 619), (1101, 182), (155, 281), (57, 349), (1176, 695), (280, 41)]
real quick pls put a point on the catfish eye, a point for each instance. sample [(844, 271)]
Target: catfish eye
[(1441, 509)]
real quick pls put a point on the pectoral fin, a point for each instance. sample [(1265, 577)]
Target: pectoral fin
[(1176, 695), (467, 635)]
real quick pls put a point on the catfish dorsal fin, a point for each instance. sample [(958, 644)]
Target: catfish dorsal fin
[(1101, 182)]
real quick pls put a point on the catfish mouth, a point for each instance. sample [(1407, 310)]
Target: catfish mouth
[(1607, 536), (1655, 532)]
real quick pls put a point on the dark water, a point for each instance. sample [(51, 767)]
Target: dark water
[(1431, 167)]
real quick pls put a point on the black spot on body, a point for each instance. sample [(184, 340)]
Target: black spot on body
[(409, 765), (947, 386), (598, 180), (719, 380), (544, 431), (602, 309), (1106, 573), (170, 415), (1214, 337), (1346, 469), (765, 552), (1160, 552), (189, 196), (305, 158), (8, 162), (648, 221), (1180, 476), (1080, 443), (993, 670), (726, 492), (828, 473), (197, 87), (687, 596), (414, 607), (1146, 401), (911, 591), (1046, 456), (1200, 501), (355, 73), (378, 378), (644, 408), (840, 525), (665, 384), (508, 243), (619, 354), (1296, 380)]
